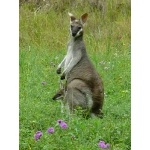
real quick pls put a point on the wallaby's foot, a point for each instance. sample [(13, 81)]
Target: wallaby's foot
[(101, 115), (62, 76), (58, 71), (98, 113), (93, 115)]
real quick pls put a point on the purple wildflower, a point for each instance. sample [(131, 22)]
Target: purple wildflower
[(62, 124), (102, 145), (108, 145), (59, 121), (38, 135), (50, 130)]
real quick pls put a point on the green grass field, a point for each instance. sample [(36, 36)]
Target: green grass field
[(43, 39)]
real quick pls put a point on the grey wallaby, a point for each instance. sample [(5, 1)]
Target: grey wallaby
[(78, 68), (76, 94)]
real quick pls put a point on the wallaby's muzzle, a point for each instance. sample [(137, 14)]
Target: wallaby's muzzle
[(73, 34), (75, 30)]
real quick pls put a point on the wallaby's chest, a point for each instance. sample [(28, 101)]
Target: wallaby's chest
[(70, 55)]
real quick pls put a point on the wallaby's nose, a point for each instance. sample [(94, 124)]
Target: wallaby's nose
[(73, 34)]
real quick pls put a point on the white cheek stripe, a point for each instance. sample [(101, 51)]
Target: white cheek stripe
[(79, 32)]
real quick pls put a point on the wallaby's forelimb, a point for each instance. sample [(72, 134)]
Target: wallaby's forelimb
[(60, 66)]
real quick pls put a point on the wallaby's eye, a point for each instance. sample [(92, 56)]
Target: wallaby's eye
[(71, 26), (59, 94)]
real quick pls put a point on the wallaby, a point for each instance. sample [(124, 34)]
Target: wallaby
[(77, 65), (77, 94)]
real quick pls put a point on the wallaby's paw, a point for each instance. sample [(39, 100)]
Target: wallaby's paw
[(58, 71), (62, 76)]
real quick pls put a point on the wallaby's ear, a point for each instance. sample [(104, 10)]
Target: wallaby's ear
[(84, 18), (72, 18)]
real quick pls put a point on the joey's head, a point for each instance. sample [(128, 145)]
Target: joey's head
[(76, 25), (59, 95)]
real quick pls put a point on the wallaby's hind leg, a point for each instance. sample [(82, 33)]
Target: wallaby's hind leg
[(98, 104), (96, 110)]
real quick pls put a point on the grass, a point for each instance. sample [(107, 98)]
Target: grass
[(43, 38)]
